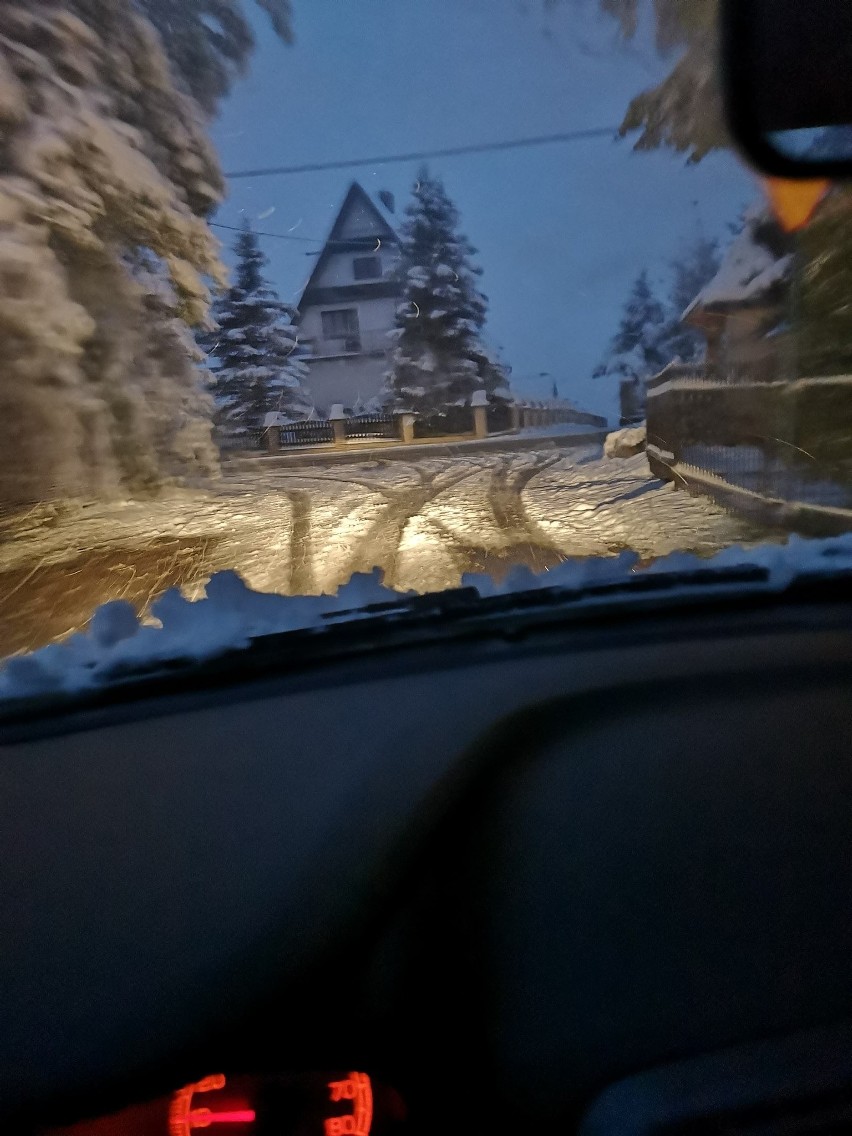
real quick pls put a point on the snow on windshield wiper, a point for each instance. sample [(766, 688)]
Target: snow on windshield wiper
[(117, 646)]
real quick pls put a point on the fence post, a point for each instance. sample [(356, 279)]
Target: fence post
[(404, 425), (515, 421), (337, 418), (479, 405)]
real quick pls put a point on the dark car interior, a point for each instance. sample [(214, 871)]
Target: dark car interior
[(567, 873), (593, 893)]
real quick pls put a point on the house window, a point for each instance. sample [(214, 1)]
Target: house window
[(341, 324), (367, 268)]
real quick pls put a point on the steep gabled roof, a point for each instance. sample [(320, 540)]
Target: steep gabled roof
[(356, 198), (753, 272)]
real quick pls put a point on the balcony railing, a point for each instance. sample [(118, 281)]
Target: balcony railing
[(364, 342)]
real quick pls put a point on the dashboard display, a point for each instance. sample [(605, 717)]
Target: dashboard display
[(334, 1103)]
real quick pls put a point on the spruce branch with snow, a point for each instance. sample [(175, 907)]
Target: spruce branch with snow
[(439, 358), (107, 179), (685, 110), (210, 42), (254, 348)]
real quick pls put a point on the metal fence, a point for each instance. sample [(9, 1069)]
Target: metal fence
[(371, 426), (499, 417), (680, 373), (455, 420), (783, 441), (311, 433), (763, 468)]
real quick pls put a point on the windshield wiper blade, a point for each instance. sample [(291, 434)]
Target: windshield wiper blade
[(466, 602)]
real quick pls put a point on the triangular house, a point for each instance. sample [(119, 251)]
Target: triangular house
[(349, 305)]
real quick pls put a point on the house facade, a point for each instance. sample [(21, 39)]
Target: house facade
[(349, 305), (744, 311)]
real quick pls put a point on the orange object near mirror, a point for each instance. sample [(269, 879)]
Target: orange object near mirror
[(794, 202)]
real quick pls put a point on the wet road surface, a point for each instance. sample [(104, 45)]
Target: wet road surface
[(425, 523)]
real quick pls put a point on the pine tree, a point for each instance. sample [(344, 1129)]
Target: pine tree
[(254, 347), (638, 348), (209, 42), (439, 359), (694, 268)]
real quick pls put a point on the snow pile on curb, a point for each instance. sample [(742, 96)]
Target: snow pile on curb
[(625, 443), (116, 644)]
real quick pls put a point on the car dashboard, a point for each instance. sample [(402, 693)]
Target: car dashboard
[(591, 878)]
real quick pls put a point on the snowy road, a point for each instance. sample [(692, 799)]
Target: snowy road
[(424, 522)]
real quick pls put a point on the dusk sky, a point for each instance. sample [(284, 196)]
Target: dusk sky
[(562, 230)]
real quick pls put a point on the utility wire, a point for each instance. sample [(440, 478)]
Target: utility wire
[(278, 236), (423, 155), (368, 244)]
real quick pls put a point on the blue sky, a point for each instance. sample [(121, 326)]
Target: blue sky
[(561, 230)]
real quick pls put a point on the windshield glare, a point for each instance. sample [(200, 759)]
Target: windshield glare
[(299, 296)]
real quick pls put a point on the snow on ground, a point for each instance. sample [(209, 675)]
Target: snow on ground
[(427, 523)]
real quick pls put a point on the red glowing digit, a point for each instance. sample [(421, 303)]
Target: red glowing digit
[(342, 1090), (357, 1088)]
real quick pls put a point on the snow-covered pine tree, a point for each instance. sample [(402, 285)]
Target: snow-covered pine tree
[(439, 359), (694, 268), (257, 368), (638, 349), (106, 179)]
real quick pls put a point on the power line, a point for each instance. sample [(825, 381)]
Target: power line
[(260, 233), (424, 155), (368, 243)]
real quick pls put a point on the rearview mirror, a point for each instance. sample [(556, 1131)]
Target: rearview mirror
[(788, 82)]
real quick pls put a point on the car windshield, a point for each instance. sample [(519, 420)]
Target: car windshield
[(344, 302)]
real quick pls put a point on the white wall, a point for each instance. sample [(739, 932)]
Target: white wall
[(338, 268), (359, 223), (344, 380), (373, 315)]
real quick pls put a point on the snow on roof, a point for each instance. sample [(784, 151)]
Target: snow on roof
[(749, 272)]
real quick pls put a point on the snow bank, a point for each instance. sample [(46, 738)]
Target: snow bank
[(625, 443), (783, 563), (231, 615), (228, 618)]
